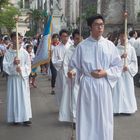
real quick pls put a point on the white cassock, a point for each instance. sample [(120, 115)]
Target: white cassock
[(132, 41), (94, 120), (123, 93), (18, 94), (67, 111), (57, 60)]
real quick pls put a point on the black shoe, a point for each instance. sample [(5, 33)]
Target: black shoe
[(126, 114), (15, 123), (53, 92), (27, 123), (74, 126), (116, 114)]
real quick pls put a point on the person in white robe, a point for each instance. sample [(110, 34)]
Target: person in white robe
[(67, 111), (124, 99), (57, 60), (137, 49), (99, 63), (133, 36), (18, 91)]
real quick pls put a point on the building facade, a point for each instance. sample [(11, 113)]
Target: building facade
[(65, 12)]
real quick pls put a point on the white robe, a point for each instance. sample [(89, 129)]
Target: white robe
[(94, 118), (57, 60), (67, 111), (18, 91), (123, 93)]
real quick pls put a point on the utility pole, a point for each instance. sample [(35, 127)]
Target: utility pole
[(99, 6), (23, 4), (80, 15)]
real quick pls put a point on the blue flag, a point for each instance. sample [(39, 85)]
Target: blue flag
[(43, 50)]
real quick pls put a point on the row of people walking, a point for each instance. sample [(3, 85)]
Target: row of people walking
[(91, 80)]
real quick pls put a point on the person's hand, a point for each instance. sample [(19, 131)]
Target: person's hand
[(18, 69), (16, 61), (71, 74), (1, 53), (124, 55), (125, 68), (98, 73), (10, 45)]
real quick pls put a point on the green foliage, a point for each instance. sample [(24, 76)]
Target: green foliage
[(89, 11), (30, 33), (36, 18), (7, 17), (37, 15), (3, 3)]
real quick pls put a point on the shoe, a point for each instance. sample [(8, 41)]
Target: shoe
[(27, 123), (126, 114), (15, 123), (74, 126), (53, 92)]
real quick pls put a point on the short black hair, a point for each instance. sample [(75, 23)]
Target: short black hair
[(91, 19), (55, 35), (131, 33), (63, 31), (76, 31), (13, 34), (138, 33), (28, 46)]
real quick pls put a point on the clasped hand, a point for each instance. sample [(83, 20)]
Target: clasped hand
[(16, 61), (124, 55), (71, 74), (98, 73)]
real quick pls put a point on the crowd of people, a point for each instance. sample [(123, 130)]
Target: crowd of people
[(91, 79)]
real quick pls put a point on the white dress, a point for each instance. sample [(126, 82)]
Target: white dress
[(94, 118), (57, 60), (18, 91), (67, 111), (123, 93)]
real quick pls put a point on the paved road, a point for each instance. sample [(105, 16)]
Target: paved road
[(45, 113)]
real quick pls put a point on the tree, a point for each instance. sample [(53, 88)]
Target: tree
[(7, 15), (36, 18), (3, 3), (88, 11)]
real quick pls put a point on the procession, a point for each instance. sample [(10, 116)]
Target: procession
[(78, 82)]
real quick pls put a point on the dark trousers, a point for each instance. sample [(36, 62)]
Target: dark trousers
[(1, 63), (54, 74)]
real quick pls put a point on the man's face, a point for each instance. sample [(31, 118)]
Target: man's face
[(14, 40), (29, 49), (64, 38), (97, 28), (122, 38), (77, 39)]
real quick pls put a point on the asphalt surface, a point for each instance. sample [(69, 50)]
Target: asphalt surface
[(45, 124)]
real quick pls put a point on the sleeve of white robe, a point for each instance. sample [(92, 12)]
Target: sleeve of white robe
[(57, 62), (66, 62), (26, 68), (133, 65), (115, 69), (8, 65), (75, 63)]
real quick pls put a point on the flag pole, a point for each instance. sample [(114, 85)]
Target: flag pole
[(125, 30), (17, 43)]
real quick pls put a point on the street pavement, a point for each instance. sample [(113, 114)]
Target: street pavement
[(45, 124)]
